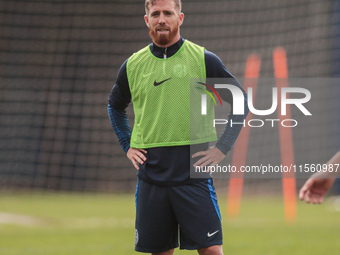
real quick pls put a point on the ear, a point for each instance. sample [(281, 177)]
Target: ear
[(146, 20), (181, 18)]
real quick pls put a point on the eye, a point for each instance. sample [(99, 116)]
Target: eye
[(154, 14)]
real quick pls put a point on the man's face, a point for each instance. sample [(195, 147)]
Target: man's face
[(163, 21)]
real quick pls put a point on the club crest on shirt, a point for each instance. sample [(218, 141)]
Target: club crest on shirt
[(180, 70)]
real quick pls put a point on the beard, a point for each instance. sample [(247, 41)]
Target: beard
[(160, 39)]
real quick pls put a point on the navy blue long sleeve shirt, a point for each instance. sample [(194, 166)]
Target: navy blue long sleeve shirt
[(170, 165)]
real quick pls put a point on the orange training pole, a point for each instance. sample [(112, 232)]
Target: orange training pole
[(239, 157), (286, 138)]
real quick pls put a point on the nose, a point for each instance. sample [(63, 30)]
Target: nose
[(161, 19)]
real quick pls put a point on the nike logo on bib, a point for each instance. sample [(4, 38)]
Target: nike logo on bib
[(159, 83), (210, 235)]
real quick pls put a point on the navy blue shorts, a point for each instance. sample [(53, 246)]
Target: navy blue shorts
[(164, 212)]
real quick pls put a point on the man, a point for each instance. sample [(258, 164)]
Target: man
[(157, 79), (318, 184)]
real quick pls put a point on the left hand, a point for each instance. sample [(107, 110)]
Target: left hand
[(315, 188), (211, 156)]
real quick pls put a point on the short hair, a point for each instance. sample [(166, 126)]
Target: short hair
[(178, 5)]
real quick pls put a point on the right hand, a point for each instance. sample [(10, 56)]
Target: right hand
[(136, 156)]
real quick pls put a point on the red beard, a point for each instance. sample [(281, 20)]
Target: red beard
[(162, 40)]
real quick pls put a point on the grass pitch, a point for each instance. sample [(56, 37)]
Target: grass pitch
[(86, 224)]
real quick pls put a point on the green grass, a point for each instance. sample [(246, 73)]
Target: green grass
[(85, 224)]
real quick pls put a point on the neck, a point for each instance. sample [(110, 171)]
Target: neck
[(169, 51)]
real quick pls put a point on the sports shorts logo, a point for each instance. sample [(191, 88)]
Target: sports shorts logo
[(159, 83), (210, 235)]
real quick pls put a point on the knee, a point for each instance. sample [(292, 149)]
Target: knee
[(211, 250)]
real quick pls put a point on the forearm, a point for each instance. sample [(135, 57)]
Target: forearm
[(121, 126), (232, 129)]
